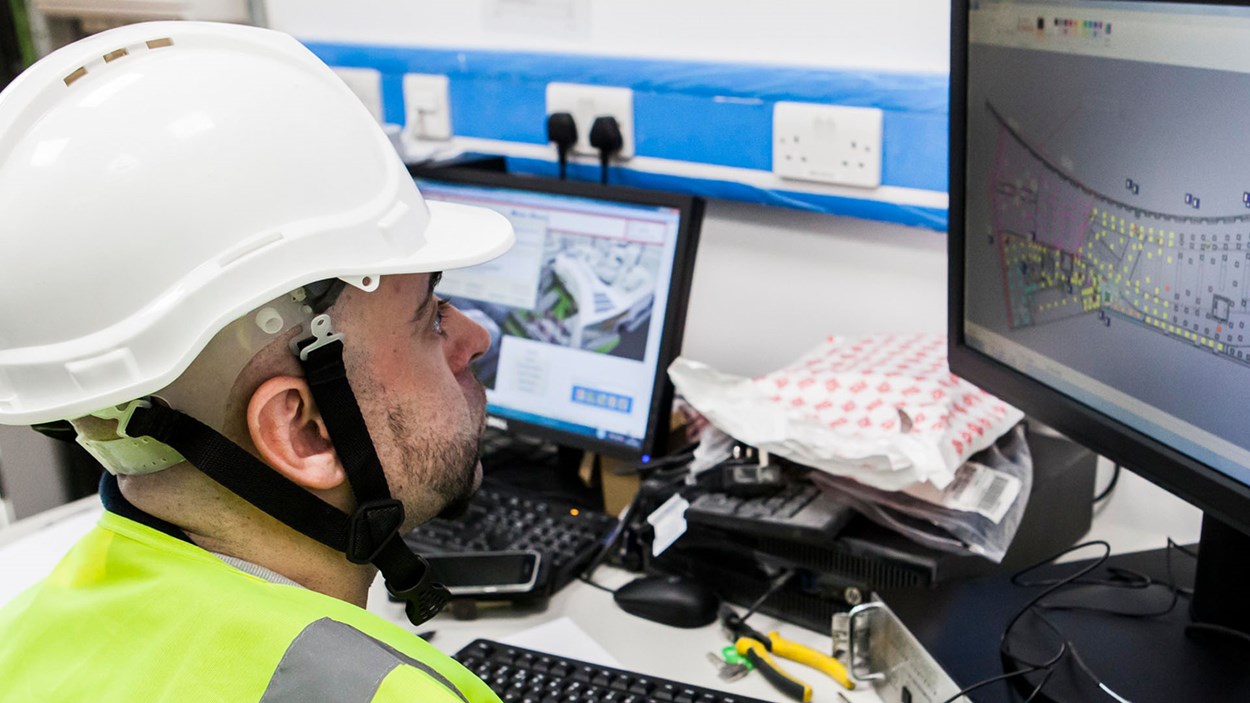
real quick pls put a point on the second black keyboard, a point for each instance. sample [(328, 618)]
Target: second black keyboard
[(801, 512), (501, 518)]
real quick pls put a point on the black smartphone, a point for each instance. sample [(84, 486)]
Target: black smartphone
[(486, 573)]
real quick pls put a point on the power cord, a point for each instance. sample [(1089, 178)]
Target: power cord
[(662, 477), (562, 129), (605, 135), (778, 581), (1106, 492), (1120, 578)]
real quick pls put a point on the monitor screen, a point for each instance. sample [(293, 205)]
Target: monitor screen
[(585, 312), (1101, 229)]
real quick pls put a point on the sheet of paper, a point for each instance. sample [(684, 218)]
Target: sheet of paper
[(562, 636)]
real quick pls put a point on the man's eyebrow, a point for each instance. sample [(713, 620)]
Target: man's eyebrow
[(429, 296)]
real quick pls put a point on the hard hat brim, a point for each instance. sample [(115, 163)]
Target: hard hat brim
[(461, 235)]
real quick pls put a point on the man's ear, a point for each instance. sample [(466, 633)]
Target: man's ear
[(290, 435)]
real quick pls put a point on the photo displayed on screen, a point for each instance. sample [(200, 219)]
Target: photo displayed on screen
[(1108, 224), (575, 309)]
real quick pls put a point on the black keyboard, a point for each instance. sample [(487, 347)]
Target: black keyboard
[(524, 676), (501, 518), (800, 511)]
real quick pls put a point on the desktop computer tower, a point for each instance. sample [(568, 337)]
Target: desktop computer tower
[(866, 557)]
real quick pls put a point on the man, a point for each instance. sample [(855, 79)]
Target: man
[(216, 268)]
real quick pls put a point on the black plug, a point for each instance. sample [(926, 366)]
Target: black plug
[(605, 135), (562, 129)]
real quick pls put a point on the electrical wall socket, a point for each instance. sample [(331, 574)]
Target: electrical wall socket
[(827, 143), (366, 83), (427, 107), (585, 103)]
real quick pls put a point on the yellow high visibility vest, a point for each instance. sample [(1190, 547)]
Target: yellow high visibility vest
[(132, 614)]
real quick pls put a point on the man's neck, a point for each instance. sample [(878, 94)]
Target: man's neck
[(293, 556), (238, 530)]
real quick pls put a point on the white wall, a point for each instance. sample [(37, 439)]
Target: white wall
[(769, 283), (896, 35)]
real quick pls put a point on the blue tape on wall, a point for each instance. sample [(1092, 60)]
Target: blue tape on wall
[(709, 113), (932, 218)]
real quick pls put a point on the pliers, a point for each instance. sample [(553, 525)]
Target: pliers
[(758, 648)]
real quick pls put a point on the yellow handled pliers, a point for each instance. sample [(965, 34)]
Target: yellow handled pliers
[(760, 649)]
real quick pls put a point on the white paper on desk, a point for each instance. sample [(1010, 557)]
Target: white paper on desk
[(563, 637)]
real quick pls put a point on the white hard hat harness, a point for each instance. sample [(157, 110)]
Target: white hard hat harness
[(370, 535)]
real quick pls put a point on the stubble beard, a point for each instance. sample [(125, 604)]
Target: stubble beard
[(448, 464)]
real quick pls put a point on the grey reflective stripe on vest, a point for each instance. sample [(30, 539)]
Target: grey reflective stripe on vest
[(333, 662)]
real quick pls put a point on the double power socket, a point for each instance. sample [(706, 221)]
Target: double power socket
[(811, 142), (828, 143)]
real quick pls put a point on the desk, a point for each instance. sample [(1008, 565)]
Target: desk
[(31, 547), (643, 646)]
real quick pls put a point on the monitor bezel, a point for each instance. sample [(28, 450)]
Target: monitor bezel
[(1189, 479), (655, 442)]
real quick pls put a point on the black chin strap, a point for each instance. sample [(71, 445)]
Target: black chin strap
[(374, 534), (370, 535)]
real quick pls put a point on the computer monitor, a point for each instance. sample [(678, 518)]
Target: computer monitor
[(587, 310), (1100, 242)]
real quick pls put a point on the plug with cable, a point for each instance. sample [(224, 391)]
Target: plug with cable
[(562, 129), (605, 135)]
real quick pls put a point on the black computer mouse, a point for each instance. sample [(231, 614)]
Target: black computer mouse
[(669, 600)]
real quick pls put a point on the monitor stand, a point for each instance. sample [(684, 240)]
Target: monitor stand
[(1151, 659), (539, 468)]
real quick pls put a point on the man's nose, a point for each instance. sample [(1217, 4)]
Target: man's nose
[(472, 340)]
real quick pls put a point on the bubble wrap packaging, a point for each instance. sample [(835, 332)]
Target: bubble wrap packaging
[(884, 410)]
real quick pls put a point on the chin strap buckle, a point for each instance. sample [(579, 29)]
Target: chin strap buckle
[(423, 600), (373, 525)]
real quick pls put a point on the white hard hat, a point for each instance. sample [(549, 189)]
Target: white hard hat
[(160, 180)]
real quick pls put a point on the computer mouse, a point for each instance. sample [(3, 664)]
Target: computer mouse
[(669, 600)]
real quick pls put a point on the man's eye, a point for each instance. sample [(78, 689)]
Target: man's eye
[(438, 315)]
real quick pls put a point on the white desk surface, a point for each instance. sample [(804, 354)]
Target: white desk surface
[(30, 548)]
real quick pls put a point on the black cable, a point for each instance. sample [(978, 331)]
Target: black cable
[(1121, 578), (661, 480), (1042, 684), (1182, 549), (1115, 476), (779, 580), (985, 682), (1051, 587), (1002, 642), (562, 129), (605, 135), (1205, 628), (586, 580)]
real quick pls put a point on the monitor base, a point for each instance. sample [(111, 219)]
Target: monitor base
[(1151, 659)]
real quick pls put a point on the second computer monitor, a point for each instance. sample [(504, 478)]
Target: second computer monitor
[(585, 312)]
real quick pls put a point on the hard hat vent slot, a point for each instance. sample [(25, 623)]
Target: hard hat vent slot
[(160, 43), (114, 55), (79, 73)]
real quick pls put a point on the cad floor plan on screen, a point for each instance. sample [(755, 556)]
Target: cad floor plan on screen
[(1115, 231), (1066, 249)]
